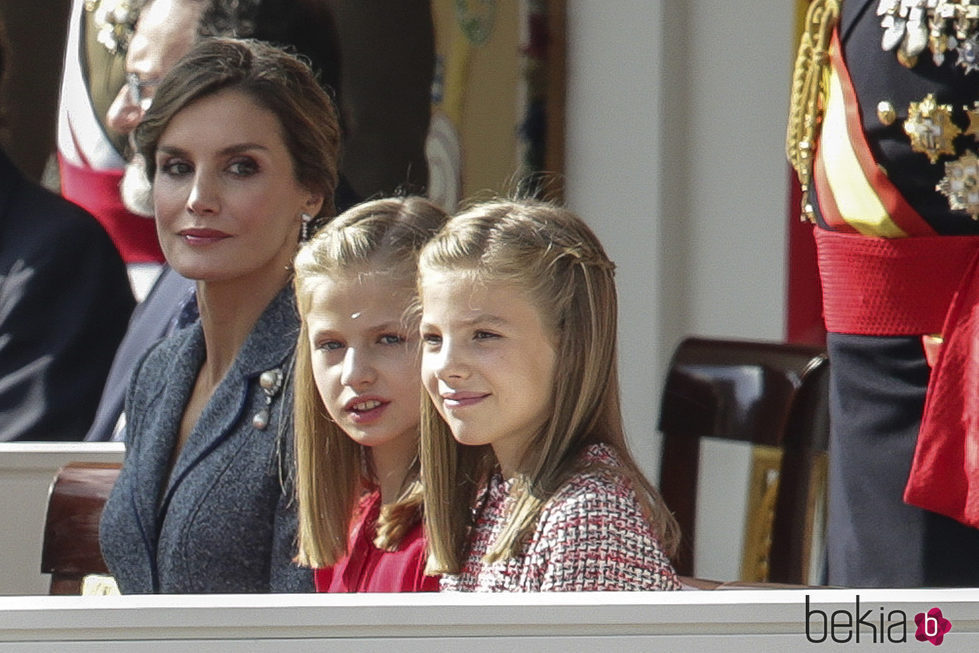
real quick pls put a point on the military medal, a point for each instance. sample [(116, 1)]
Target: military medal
[(115, 21), (969, 54), (930, 128), (961, 184), (892, 22), (966, 24), (939, 38), (911, 26), (973, 113), (916, 30)]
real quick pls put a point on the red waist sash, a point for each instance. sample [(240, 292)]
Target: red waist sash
[(945, 471), (916, 286), (97, 191), (890, 286)]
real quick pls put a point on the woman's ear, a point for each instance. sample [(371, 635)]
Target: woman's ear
[(313, 204)]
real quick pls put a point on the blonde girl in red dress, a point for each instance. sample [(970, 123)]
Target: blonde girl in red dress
[(358, 398)]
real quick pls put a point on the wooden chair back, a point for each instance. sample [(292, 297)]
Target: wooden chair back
[(769, 394), (70, 550)]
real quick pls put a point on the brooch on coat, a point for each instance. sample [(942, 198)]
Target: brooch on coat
[(271, 383), (930, 128)]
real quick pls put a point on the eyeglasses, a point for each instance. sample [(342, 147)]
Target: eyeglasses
[(137, 90)]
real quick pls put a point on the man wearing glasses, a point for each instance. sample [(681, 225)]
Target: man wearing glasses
[(104, 42)]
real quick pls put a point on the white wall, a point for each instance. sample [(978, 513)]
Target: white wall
[(676, 114)]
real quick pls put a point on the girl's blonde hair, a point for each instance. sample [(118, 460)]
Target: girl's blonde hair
[(556, 259), (380, 237)]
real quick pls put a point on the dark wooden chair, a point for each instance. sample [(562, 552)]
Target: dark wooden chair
[(768, 394), (70, 550)]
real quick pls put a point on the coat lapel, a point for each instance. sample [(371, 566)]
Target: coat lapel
[(268, 346), (151, 469)]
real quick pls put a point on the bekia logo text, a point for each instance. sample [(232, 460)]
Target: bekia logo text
[(842, 626), (873, 625)]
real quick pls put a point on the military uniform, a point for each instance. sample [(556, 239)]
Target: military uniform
[(884, 136), (90, 156)]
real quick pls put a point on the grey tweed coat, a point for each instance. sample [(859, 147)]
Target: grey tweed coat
[(224, 518)]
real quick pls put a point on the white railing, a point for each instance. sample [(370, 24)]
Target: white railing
[(704, 621)]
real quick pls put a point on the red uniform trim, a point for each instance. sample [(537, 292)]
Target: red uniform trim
[(901, 213), (97, 191), (827, 203)]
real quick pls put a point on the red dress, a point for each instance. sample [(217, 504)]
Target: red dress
[(366, 568)]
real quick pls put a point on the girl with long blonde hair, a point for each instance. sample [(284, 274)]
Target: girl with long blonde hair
[(519, 360), (358, 398)]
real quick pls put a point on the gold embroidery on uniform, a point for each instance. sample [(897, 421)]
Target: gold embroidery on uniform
[(809, 82)]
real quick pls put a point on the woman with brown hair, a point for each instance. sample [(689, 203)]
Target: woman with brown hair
[(241, 144)]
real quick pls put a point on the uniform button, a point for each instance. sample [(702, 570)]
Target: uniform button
[(886, 113)]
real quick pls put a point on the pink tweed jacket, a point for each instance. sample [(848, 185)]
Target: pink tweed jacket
[(591, 536)]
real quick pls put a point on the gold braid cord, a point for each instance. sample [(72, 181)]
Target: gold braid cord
[(809, 81)]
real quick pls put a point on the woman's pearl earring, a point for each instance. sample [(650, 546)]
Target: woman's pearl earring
[(307, 221)]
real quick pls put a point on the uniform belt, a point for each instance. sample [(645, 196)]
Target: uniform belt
[(890, 286), (97, 191)]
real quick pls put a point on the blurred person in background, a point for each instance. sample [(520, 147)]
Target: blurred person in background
[(64, 304)]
